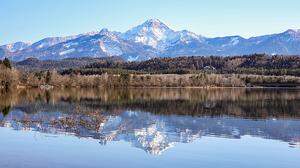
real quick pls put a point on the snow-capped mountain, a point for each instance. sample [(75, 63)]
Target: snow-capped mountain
[(287, 42), (151, 39), (101, 44), (156, 34), (153, 33), (185, 36), (50, 41), (13, 47)]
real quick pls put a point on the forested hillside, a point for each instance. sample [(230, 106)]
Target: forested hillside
[(251, 64)]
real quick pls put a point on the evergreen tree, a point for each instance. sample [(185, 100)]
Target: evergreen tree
[(5, 111), (7, 63), (48, 77)]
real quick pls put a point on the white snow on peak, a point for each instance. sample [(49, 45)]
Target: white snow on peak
[(109, 35), (16, 46), (295, 30), (293, 34), (104, 31), (185, 37), (153, 20), (156, 34), (184, 33), (91, 33), (152, 32)]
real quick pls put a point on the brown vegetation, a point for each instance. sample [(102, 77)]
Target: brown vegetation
[(188, 72), (52, 78)]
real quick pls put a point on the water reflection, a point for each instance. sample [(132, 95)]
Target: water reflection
[(156, 119)]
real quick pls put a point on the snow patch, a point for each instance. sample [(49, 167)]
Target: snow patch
[(67, 51), (68, 45), (132, 58), (235, 41), (110, 49)]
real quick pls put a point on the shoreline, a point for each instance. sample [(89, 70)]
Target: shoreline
[(50, 87)]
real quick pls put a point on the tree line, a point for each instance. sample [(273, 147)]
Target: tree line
[(259, 64), (239, 71)]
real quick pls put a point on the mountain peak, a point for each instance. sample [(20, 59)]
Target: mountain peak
[(104, 31), (292, 31), (154, 23), (17, 46), (153, 20), (150, 33), (188, 33)]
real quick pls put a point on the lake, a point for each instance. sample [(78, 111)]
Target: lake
[(165, 127)]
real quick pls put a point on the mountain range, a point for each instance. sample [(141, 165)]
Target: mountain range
[(151, 39)]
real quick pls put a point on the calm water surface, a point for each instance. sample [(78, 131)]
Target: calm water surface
[(150, 128)]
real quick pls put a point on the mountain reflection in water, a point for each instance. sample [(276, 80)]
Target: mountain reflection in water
[(156, 119)]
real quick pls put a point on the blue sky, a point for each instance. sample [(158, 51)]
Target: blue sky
[(31, 20)]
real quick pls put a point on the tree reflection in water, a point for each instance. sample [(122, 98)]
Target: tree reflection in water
[(155, 119)]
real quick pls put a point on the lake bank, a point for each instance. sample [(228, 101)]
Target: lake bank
[(202, 80)]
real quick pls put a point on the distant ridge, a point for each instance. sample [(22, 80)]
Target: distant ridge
[(149, 40)]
